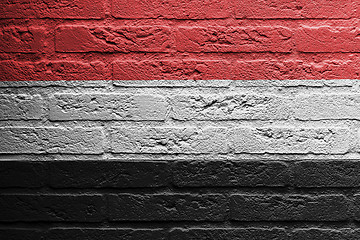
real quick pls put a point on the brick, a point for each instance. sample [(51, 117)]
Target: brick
[(21, 106), (170, 140), (172, 9), (357, 207), (97, 106), (51, 207), (77, 9), (234, 39), (327, 106), (21, 39), (223, 69), (108, 174), (229, 107), (23, 174), (74, 38), (291, 140), (327, 173), (327, 39), (167, 207), (232, 173), (299, 9), (294, 69), (228, 233), (171, 70), (289, 208), (17, 140), (21, 234), (330, 69), (51, 71), (323, 233), (105, 233)]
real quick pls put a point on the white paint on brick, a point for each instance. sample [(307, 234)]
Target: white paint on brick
[(51, 140), (21, 106), (168, 140), (226, 118), (291, 140), (97, 106), (230, 107), (327, 106)]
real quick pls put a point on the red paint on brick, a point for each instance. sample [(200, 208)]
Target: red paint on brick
[(179, 39), (299, 9), (74, 9), (171, 69), (239, 70), (328, 39), (22, 39), (109, 39), (234, 39), (55, 70), (171, 9), (295, 69)]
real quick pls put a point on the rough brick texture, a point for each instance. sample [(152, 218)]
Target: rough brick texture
[(329, 39), (107, 39), (289, 208), (290, 140), (109, 174), (107, 107), (105, 233), (51, 70), (167, 207), (228, 233), (300, 9), (233, 173), (51, 139), (77, 9), (52, 208), (21, 106), (179, 39), (196, 9), (168, 140), (178, 159)]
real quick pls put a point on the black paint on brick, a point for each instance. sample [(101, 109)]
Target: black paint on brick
[(260, 207), (27, 174), (321, 233), (329, 173), (230, 173), (108, 174), (21, 234), (167, 207), (357, 206), (105, 234), (159, 199), (229, 234), (51, 208)]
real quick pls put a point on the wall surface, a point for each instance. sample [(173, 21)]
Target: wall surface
[(181, 156), (180, 160), (179, 39)]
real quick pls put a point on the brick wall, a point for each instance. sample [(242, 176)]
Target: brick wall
[(179, 39), (180, 160)]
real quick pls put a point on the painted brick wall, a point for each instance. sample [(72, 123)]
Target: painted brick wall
[(179, 39), (89, 160)]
